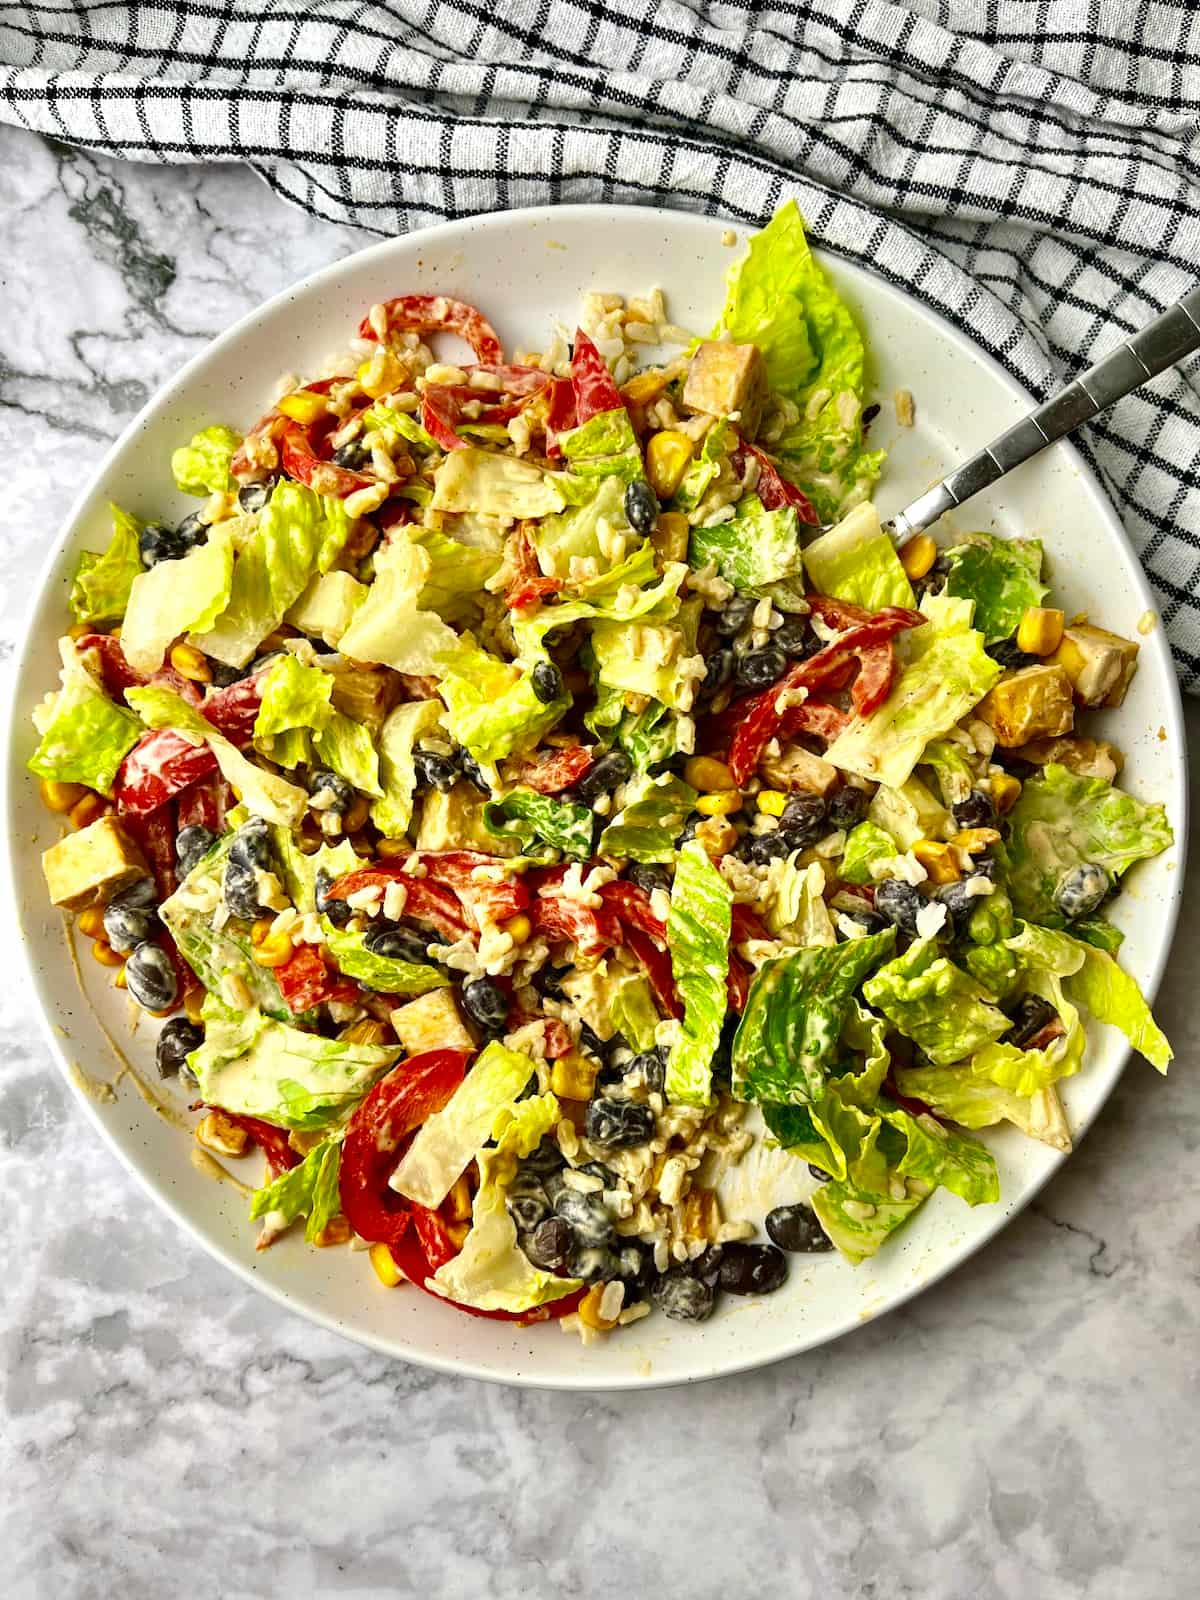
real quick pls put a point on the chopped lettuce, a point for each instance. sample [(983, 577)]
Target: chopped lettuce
[(1002, 576), (382, 973), (383, 416), (952, 767), (634, 1014), (388, 627), (755, 548), (1062, 820), (175, 596), (525, 816), (100, 592), (604, 446), (908, 813), (490, 704), (698, 942), (307, 1190), (796, 907), (575, 532), (865, 844), (705, 467), (450, 1138), (348, 748), (457, 573), (944, 1159), (84, 735), (392, 812), (292, 696), (865, 1204), (955, 1092), (650, 821), (937, 1005), (856, 561), (299, 871), (647, 657), (326, 608), (202, 467), (472, 480)]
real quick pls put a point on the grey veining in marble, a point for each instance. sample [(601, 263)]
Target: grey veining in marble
[(1026, 1430)]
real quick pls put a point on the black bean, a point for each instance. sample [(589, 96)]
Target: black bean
[(603, 776), (591, 1041), (1029, 1017), (330, 791), (807, 817), (1009, 654), (549, 1244), (647, 1068), (760, 848), (869, 921), (758, 669), (546, 681), (157, 542), (355, 453), (545, 1159), (976, 811), (734, 615), (593, 1263), (338, 912), (751, 1268), (547, 981), (718, 671), (472, 771), (682, 1297), (528, 1204), (142, 893), (641, 507), (590, 1219), (819, 1175), (648, 876), (958, 899), (618, 1124), (635, 1266), (847, 806), (869, 414), (435, 771), (150, 977), (722, 1062), (1081, 890), (397, 943), (125, 926), (241, 891), (597, 1169), (178, 1039), (192, 844), (254, 496), (796, 639), (796, 1227), (486, 1003), (899, 902), (251, 845)]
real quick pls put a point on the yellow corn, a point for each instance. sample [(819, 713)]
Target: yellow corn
[(701, 1214), (723, 804), (670, 537), (78, 629), (104, 953), (518, 928), (718, 836), (381, 374), (120, 983), (1005, 789), (274, 951), (459, 1199), (708, 775), (303, 406), (937, 859), (91, 923), (589, 1309), (60, 797), (393, 847), (573, 1076), (975, 840), (771, 802), (221, 1135), (88, 810), (645, 386), (260, 930), (386, 1269), (191, 663), (918, 555), (355, 815), (1041, 630), (668, 456), (336, 1231), (365, 1031)]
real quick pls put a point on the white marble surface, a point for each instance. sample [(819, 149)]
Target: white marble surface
[(1027, 1428)]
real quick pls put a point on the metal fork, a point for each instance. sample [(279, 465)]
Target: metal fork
[(1159, 345)]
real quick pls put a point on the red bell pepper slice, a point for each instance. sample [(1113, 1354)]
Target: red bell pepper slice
[(560, 415), (437, 313), (299, 459), (118, 675), (382, 1122), (161, 765), (437, 419), (595, 387), (271, 1140), (557, 918), (773, 489), (444, 405), (154, 832), (200, 807), (528, 586), (554, 771), (631, 905), (737, 983), (745, 925), (233, 710), (425, 901), (305, 980), (657, 965)]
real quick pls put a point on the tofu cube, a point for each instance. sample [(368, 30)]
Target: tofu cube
[(724, 378), (431, 1022), (795, 768), (1035, 703), (1098, 663), (89, 867), (365, 694)]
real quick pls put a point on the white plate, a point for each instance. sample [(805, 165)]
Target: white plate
[(522, 269)]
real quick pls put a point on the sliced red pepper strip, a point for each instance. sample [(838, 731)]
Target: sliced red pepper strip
[(305, 980), (773, 489), (233, 711), (815, 717), (554, 771), (745, 925), (199, 807), (425, 901), (737, 983), (156, 836), (631, 905), (118, 675), (161, 765), (395, 1108), (560, 415), (299, 459), (527, 586), (657, 966), (437, 313), (438, 421), (271, 1140), (494, 901), (594, 385), (555, 917)]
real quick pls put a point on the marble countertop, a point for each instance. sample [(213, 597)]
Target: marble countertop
[(1026, 1428)]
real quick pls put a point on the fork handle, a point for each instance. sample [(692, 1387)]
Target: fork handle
[(1160, 344)]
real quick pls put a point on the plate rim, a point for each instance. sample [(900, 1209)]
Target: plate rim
[(398, 1348)]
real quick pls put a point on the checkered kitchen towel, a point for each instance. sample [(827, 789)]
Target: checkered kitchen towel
[(1027, 167)]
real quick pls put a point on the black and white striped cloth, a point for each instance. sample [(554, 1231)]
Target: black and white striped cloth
[(1028, 167)]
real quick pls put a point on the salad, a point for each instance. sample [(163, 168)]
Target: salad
[(524, 787)]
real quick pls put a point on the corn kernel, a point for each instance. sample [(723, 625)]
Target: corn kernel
[(668, 456), (88, 810), (645, 386), (393, 847), (937, 859), (1041, 630), (381, 374), (193, 1004), (274, 951), (355, 815), (104, 953), (723, 804), (701, 1214), (573, 1076), (670, 537), (975, 840), (386, 1269), (518, 928), (260, 930), (191, 663), (336, 1231), (771, 802), (1005, 789), (91, 923), (459, 1199), (365, 1031), (60, 797), (708, 775), (221, 1135), (917, 555), (119, 982), (303, 406), (717, 836), (589, 1309)]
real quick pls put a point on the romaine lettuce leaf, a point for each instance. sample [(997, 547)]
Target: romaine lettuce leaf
[(381, 416), (955, 1092), (525, 816), (381, 973), (348, 748), (457, 573), (175, 596), (944, 1159), (650, 822), (202, 467), (392, 812), (388, 627), (646, 657), (698, 942), (908, 813), (756, 547), (937, 1005), (705, 467), (865, 844), (299, 871), (292, 695), (307, 1190), (1002, 576), (856, 561), (100, 592), (490, 704), (84, 735), (955, 775), (795, 903), (327, 606), (634, 1014), (576, 530), (604, 446), (472, 480)]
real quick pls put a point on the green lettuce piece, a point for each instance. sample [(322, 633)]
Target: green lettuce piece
[(381, 973), (527, 817), (866, 843), (698, 942), (937, 1005), (292, 696), (348, 748), (388, 627), (408, 428), (705, 467), (955, 1092), (862, 1209), (985, 954), (483, 482), (634, 1014), (258, 1068), (627, 592), (297, 533), (795, 903), (265, 793), (299, 871), (646, 657), (650, 737), (955, 775), (820, 1132), (1002, 576), (457, 573), (864, 1034), (789, 1032), (605, 446), (202, 467), (908, 813), (84, 735), (100, 592), (856, 561), (613, 1000), (950, 674), (490, 704), (1100, 932), (575, 531), (175, 596), (326, 608), (398, 737), (1062, 820), (491, 1272), (944, 1159), (755, 548), (308, 1190), (646, 828), (451, 1137)]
